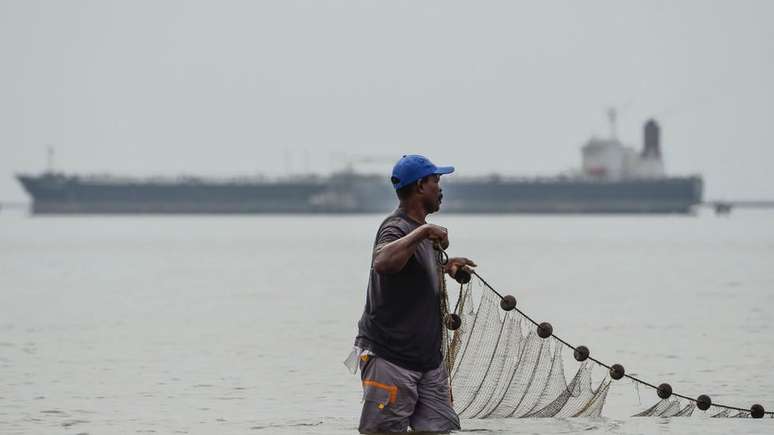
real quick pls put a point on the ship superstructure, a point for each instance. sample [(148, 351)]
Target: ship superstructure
[(610, 159)]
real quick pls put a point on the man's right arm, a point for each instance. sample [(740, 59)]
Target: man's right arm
[(392, 256)]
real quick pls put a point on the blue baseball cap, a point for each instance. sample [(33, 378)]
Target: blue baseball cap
[(413, 167)]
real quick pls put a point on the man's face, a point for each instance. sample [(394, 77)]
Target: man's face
[(432, 194)]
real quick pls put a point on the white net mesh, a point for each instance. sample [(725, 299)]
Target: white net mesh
[(497, 371)]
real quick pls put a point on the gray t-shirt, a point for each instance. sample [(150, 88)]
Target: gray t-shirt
[(401, 321)]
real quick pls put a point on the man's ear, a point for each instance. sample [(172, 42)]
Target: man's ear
[(420, 185)]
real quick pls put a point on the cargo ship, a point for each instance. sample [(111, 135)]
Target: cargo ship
[(613, 178)]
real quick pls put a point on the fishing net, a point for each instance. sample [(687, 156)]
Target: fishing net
[(502, 365)]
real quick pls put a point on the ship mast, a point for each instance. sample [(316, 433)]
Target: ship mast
[(612, 115), (49, 159)]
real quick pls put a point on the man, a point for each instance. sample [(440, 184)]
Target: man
[(399, 335)]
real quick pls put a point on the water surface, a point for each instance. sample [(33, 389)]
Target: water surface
[(239, 324)]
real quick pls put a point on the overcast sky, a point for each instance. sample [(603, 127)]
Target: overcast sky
[(237, 88)]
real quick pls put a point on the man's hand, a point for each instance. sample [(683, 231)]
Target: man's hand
[(437, 234), (456, 263)]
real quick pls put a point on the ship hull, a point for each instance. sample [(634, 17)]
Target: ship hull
[(610, 207), (58, 194), (664, 195)]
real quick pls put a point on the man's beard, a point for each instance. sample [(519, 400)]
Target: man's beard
[(434, 206)]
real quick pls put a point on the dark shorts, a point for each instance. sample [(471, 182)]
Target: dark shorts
[(395, 398)]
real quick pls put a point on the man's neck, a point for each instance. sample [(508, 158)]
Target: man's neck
[(414, 210)]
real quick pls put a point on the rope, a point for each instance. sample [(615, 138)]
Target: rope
[(607, 366), (443, 298)]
